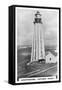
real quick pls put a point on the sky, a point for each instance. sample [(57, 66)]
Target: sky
[(25, 25)]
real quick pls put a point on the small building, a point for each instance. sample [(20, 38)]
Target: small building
[(51, 57)]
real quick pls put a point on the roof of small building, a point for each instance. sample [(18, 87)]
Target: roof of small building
[(52, 52)]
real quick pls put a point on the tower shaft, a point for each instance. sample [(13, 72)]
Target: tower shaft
[(38, 49)]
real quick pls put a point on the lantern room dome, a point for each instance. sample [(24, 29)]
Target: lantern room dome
[(37, 18)]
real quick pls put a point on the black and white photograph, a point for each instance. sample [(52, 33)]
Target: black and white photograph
[(37, 44)]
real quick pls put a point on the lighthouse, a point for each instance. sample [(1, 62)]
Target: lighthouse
[(38, 48)]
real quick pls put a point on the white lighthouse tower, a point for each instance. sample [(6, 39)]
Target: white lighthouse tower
[(38, 49)]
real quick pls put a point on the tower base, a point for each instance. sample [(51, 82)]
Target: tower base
[(42, 60)]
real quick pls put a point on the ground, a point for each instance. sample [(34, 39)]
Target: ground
[(35, 69)]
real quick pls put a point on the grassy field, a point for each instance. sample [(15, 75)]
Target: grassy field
[(35, 69)]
